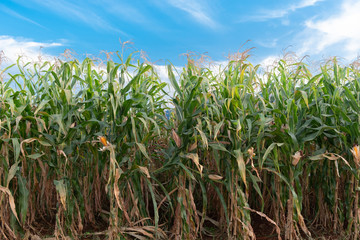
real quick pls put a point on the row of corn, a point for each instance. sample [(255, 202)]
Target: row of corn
[(113, 152)]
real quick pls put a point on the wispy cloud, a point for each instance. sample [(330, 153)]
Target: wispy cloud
[(305, 3), (335, 34), (31, 50), (80, 12), (197, 11), (264, 15), (267, 43), (18, 15), (123, 10)]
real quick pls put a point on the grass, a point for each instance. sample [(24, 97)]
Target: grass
[(90, 153)]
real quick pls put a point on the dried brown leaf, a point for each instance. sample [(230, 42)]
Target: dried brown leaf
[(176, 138), (145, 171), (215, 177), (296, 158), (116, 188), (195, 158), (193, 146), (26, 141), (11, 201)]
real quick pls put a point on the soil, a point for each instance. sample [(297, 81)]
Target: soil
[(266, 231), (263, 229)]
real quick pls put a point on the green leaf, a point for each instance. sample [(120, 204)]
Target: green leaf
[(241, 164), (173, 81), (13, 169), (255, 180), (203, 137), (305, 97), (61, 189), (218, 146), (16, 146), (35, 155), (156, 212), (217, 128), (268, 151), (41, 105), (23, 197), (143, 150)]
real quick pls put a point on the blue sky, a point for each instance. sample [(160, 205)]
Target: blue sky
[(165, 29)]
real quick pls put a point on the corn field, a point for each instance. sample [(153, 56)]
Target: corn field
[(111, 153)]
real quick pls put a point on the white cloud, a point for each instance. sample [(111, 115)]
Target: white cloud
[(336, 34), (305, 3), (267, 43), (162, 72), (197, 11), (269, 61), (14, 47), (265, 15)]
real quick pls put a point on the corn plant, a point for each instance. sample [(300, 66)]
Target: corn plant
[(105, 152)]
